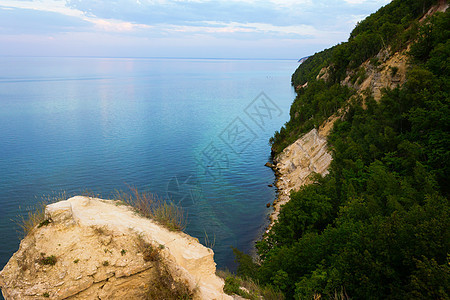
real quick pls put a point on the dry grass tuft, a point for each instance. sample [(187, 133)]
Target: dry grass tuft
[(149, 252), (210, 243), (89, 194), (35, 215), (151, 206), (164, 286)]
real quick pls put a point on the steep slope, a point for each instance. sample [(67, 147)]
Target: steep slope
[(385, 70), (373, 222)]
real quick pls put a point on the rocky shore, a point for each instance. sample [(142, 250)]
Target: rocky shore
[(293, 167)]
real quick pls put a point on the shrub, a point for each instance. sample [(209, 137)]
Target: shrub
[(48, 260), (248, 288)]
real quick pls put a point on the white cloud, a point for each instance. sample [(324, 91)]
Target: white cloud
[(360, 2), (57, 6), (355, 1), (237, 23), (116, 25)]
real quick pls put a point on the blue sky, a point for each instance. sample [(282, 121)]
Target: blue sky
[(178, 28)]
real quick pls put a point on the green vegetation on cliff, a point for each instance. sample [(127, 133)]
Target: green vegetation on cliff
[(378, 225), (392, 27)]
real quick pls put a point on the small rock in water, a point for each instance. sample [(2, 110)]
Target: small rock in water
[(268, 205), (268, 164), (270, 185)]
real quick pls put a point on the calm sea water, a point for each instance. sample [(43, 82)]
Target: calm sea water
[(195, 131)]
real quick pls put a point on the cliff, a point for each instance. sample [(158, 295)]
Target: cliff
[(307, 155), (101, 249), (310, 152), (377, 225)]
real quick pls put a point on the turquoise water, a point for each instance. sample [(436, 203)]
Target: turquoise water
[(193, 130)]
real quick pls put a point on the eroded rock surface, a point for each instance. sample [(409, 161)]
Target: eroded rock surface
[(97, 249), (308, 155)]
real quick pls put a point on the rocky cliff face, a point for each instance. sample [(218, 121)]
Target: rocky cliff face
[(100, 249), (390, 73), (309, 154)]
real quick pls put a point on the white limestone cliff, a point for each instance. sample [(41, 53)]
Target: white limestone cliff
[(97, 249), (308, 155)]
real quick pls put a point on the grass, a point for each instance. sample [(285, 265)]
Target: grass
[(247, 288), (44, 223), (208, 242), (35, 215), (100, 230), (146, 204), (164, 286), (150, 206), (149, 252)]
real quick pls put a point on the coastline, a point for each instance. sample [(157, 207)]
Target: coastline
[(306, 156)]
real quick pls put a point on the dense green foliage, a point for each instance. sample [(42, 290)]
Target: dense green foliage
[(392, 27), (312, 106), (378, 225)]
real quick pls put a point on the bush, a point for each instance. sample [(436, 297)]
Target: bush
[(248, 288), (48, 260)]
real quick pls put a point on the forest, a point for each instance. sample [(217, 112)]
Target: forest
[(377, 226)]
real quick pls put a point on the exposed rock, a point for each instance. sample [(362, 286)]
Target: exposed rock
[(442, 6), (324, 74), (384, 76), (269, 165), (97, 246), (307, 155), (303, 59), (390, 73)]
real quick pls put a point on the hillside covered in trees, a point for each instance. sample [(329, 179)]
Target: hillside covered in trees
[(378, 225)]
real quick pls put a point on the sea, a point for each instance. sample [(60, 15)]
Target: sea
[(192, 131)]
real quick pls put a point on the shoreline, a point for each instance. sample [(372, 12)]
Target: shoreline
[(307, 155)]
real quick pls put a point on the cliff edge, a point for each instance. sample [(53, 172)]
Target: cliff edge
[(90, 248)]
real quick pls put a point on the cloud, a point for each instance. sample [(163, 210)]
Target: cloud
[(26, 21), (360, 2), (117, 26), (238, 24)]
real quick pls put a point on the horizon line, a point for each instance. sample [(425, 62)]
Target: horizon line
[(145, 57)]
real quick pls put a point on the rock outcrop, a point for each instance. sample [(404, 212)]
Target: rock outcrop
[(389, 73), (101, 249), (307, 155)]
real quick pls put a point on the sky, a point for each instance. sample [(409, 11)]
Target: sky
[(280, 29)]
